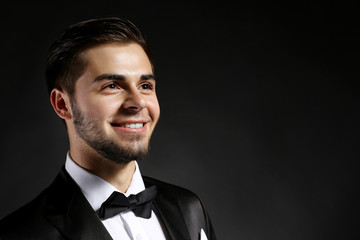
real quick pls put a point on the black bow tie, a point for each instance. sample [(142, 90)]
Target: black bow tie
[(140, 204)]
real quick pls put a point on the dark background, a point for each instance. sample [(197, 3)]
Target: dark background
[(259, 109)]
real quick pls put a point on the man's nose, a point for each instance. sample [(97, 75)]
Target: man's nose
[(134, 101)]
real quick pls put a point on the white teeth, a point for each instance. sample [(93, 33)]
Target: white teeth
[(134, 125)]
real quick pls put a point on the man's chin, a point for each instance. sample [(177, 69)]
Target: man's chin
[(124, 153), (126, 158), (129, 140)]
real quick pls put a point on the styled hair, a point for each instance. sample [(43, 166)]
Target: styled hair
[(65, 62)]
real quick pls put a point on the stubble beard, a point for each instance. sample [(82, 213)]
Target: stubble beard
[(90, 131)]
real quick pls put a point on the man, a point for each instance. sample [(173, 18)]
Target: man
[(101, 83)]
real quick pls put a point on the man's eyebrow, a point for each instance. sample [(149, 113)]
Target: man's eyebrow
[(109, 76), (147, 77), (119, 77)]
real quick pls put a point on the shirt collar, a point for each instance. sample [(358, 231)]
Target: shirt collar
[(97, 190)]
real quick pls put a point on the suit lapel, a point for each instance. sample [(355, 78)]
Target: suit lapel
[(72, 215), (169, 212), (70, 212)]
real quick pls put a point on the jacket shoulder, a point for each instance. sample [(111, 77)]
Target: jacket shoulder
[(30, 219), (178, 192), (191, 207)]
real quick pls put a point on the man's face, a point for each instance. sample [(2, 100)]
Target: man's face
[(115, 108)]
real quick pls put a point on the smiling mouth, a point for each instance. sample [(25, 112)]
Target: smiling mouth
[(129, 125)]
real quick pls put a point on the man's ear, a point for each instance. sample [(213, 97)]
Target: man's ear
[(60, 101)]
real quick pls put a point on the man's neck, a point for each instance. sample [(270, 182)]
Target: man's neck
[(118, 175)]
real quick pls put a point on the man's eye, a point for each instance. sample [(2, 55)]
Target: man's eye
[(147, 86), (112, 85)]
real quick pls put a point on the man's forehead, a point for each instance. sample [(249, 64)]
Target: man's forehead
[(116, 58)]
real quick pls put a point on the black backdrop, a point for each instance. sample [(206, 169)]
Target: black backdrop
[(259, 109)]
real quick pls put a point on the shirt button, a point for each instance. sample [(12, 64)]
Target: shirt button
[(138, 236)]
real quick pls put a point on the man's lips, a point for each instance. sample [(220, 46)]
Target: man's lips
[(130, 126)]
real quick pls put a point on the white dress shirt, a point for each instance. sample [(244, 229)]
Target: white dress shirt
[(124, 225)]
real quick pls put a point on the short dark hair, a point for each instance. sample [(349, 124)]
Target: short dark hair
[(65, 63)]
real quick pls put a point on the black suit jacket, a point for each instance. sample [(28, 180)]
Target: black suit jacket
[(62, 212)]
